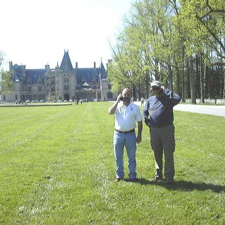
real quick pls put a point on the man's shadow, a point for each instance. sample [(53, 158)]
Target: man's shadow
[(183, 185)]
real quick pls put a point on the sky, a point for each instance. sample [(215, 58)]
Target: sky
[(37, 32)]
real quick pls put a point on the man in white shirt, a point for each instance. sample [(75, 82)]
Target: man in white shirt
[(126, 116)]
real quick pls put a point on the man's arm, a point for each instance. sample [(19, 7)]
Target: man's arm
[(146, 113), (175, 98), (139, 131), (112, 109)]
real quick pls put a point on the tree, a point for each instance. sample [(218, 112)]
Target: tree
[(128, 67), (203, 23), (180, 43), (1, 58), (145, 43), (6, 81)]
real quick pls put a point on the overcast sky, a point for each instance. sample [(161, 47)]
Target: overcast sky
[(36, 32)]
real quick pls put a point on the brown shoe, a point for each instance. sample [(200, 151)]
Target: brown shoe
[(117, 180)]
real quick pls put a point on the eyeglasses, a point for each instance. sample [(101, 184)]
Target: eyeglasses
[(155, 88)]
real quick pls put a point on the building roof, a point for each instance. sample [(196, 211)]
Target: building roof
[(83, 75), (87, 74), (33, 75), (66, 64), (18, 72)]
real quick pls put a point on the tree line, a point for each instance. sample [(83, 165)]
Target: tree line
[(179, 42), (6, 81)]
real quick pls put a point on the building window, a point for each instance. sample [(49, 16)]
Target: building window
[(66, 87), (29, 89), (39, 88)]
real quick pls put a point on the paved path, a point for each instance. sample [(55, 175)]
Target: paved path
[(205, 109)]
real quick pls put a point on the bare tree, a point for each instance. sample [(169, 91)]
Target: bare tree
[(1, 58)]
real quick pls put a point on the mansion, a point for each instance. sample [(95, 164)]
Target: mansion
[(65, 82)]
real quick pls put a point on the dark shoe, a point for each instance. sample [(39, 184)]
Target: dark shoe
[(158, 179), (117, 180)]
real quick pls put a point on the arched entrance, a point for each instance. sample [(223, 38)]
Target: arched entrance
[(66, 97)]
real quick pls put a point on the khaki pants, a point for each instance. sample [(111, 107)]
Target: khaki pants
[(163, 141)]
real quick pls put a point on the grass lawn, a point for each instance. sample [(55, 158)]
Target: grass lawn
[(57, 167)]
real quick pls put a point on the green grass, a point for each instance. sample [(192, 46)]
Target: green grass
[(57, 167)]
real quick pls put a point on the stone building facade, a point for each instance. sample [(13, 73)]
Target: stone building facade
[(65, 82)]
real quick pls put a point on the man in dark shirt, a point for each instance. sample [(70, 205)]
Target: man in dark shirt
[(160, 107)]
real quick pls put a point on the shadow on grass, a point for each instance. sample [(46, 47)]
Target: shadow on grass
[(184, 185)]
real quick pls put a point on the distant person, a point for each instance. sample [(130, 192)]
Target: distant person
[(160, 108), (142, 101), (126, 116)]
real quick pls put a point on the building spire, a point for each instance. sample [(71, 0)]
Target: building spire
[(66, 64)]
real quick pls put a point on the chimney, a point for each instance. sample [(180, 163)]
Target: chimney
[(76, 65), (94, 64), (10, 66)]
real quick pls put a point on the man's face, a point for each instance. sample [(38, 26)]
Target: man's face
[(126, 95), (155, 89)]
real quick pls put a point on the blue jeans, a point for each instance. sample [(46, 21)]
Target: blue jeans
[(129, 141)]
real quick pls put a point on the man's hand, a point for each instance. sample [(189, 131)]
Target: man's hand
[(138, 139), (149, 124), (118, 97), (112, 109)]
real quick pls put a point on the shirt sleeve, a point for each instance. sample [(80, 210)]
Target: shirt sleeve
[(174, 98)]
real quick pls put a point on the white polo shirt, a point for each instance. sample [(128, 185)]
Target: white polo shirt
[(127, 116)]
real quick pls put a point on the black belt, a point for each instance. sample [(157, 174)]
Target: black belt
[(125, 132)]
